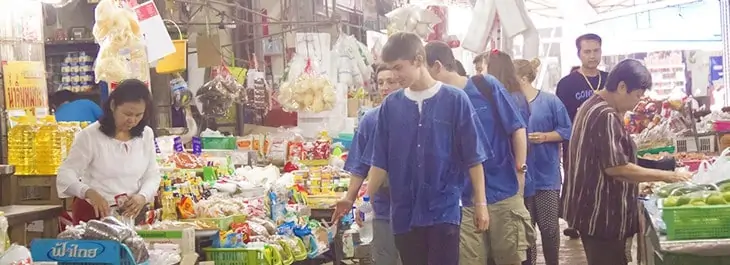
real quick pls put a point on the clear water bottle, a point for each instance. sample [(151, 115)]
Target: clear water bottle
[(366, 215)]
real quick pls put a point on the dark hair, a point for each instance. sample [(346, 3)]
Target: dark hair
[(381, 67), (130, 90), (589, 36), (632, 72), (62, 96), (574, 68), (402, 46), (499, 65), (460, 69), (480, 58), (441, 52)]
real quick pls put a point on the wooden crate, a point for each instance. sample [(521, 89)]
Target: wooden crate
[(37, 190)]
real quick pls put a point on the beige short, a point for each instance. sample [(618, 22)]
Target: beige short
[(510, 234)]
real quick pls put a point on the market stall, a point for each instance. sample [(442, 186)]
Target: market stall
[(683, 223)]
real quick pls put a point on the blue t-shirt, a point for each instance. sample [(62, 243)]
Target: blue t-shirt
[(548, 114), (501, 171), (359, 168), (78, 110), (427, 154)]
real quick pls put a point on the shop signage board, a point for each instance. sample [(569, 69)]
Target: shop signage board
[(25, 85)]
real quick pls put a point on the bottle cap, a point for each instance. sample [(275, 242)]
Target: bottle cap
[(366, 198)]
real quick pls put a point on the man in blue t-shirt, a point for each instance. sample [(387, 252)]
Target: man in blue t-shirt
[(427, 138), (68, 106), (384, 251), (510, 231)]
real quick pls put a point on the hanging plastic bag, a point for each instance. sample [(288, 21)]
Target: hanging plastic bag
[(122, 52), (717, 172), (181, 95), (309, 92), (216, 96)]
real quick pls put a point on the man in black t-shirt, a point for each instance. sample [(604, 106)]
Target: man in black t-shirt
[(579, 85)]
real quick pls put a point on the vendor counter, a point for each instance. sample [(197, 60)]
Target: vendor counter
[(23, 219), (658, 250)]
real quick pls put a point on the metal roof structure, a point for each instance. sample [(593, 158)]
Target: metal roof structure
[(600, 10)]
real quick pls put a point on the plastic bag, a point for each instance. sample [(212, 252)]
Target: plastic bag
[(215, 98), (122, 52), (181, 95), (310, 92), (717, 172), (413, 19), (16, 255)]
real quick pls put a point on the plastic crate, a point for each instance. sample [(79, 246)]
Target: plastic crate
[(222, 223), (668, 149), (81, 252), (240, 256), (220, 143), (688, 144), (697, 222)]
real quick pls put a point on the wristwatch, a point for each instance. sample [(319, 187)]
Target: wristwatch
[(522, 168)]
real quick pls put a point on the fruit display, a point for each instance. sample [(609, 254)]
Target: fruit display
[(685, 194)]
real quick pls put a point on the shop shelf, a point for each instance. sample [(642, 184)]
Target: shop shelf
[(697, 222)]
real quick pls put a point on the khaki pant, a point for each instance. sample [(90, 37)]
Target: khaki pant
[(510, 234)]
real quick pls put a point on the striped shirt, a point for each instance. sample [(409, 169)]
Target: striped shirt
[(593, 202)]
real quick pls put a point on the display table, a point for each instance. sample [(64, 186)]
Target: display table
[(20, 215), (660, 251)]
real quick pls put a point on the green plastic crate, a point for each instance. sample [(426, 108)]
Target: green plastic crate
[(219, 143), (238, 256), (669, 149), (697, 222)]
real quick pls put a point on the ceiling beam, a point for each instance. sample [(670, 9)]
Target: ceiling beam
[(640, 8)]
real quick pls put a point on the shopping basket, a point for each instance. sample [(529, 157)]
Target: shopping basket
[(697, 222), (177, 61), (242, 256), (81, 252)]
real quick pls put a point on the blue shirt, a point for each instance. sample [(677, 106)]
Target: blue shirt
[(501, 171), (427, 153), (359, 167), (78, 110), (548, 114), (524, 107)]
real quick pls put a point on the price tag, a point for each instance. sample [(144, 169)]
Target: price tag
[(178, 145), (197, 146)]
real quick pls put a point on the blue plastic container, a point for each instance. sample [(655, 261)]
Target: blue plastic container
[(81, 252)]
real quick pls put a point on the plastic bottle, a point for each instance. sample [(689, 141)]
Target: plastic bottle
[(366, 215), (20, 144), (47, 147)]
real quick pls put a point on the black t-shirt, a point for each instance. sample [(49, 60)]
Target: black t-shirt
[(573, 90)]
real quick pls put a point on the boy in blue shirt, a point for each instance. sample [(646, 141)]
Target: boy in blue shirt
[(510, 231), (427, 138), (383, 251), (69, 106)]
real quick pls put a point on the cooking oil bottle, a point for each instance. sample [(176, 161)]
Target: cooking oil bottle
[(68, 131), (47, 147), (20, 144)]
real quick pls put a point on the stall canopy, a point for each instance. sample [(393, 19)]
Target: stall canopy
[(599, 10)]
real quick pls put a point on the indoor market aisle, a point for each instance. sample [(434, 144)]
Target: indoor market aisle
[(571, 250)]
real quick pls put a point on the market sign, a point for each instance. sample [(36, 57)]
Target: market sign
[(25, 85)]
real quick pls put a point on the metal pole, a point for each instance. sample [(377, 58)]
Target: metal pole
[(725, 31)]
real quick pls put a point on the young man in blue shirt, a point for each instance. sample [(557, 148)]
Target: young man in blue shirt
[(510, 231), (427, 138), (383, 251)]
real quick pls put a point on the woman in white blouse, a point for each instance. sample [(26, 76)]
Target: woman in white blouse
[(112, 157)]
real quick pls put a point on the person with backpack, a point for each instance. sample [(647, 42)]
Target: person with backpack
[(510, 228)]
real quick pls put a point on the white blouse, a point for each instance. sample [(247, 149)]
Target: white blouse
[(109, 166)]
